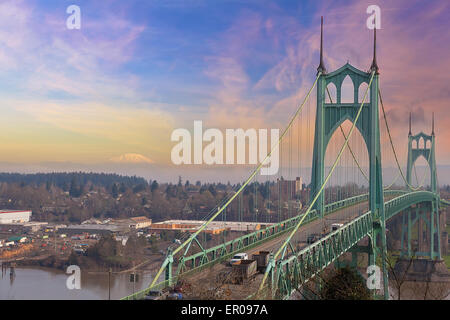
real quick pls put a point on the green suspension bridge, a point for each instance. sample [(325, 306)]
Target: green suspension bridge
[(367, 209)]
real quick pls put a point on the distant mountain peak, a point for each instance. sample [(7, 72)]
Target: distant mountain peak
[(131, 158)]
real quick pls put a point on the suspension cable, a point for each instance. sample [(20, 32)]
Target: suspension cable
[(255, 171), (392, 145), (349, 148), (395, 180), (323, 184)]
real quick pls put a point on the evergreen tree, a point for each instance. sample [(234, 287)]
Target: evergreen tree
[(114, 191), (154, 186)]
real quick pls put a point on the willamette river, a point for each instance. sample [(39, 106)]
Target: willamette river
[(49, 284)]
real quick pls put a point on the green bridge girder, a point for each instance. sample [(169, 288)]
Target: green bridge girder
[(208, 257), (290, 273)]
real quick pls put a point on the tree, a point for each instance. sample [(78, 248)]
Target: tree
[(345, 284), (75, 190), (114, 191), (251, 203), (212, 190), (154, 186)]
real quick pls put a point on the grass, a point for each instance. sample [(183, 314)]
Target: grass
[(447, 261)]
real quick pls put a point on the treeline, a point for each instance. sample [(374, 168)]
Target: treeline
[(76, 197), (65, 180)]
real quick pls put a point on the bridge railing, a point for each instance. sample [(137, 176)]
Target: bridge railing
[(221, 252), (208, 257), (392, 207), (297, 269)]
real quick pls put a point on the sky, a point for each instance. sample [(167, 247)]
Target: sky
[(108, 96)]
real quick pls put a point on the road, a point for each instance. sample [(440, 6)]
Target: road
[(206, 280)]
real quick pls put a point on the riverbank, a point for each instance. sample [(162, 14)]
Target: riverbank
[(91, 265), (28, 284)]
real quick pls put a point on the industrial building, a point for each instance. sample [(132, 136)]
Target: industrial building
[(140, 222), (14, 216), (91, 229), (215, 227)]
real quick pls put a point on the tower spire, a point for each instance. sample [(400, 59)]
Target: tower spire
[(409, 123), (432, 125), (321, 67), (374, 66)]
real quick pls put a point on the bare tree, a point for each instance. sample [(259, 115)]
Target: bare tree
[(398, 277)]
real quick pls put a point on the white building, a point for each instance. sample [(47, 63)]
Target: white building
[(298, 184), (14, 216)]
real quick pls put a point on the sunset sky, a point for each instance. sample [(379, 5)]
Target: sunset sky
[(112, 93)]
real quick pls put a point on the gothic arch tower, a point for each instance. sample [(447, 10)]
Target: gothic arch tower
[(427, 150), (328, 118), (422, 145)]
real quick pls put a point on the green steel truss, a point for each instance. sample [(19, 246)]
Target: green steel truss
[(290, 273), (205, 258), (428, 213), (329, 116), (427, 151)]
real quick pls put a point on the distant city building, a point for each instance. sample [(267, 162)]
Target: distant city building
[(298, 184), (289, 189), (14, 216)]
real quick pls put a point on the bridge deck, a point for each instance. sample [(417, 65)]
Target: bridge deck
[(207, 278)]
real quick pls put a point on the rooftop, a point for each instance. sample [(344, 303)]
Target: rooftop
[(94, 227), (142, 218), (14, 211)]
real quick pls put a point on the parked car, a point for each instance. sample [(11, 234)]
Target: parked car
[(336, 226), (153, 295), (238, 257)]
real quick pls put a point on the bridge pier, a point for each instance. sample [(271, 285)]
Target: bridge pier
[(427, 218)]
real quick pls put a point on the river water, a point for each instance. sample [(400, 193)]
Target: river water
[(49, 284)]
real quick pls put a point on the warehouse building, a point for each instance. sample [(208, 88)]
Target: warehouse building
[(140, 222), (14, 216), (101, 229)]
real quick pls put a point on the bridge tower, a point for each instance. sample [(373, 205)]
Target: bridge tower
[(427, 214), (329, 116), (427, 151)]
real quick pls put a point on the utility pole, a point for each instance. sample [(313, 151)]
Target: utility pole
[(134, 279), (109, 283)]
